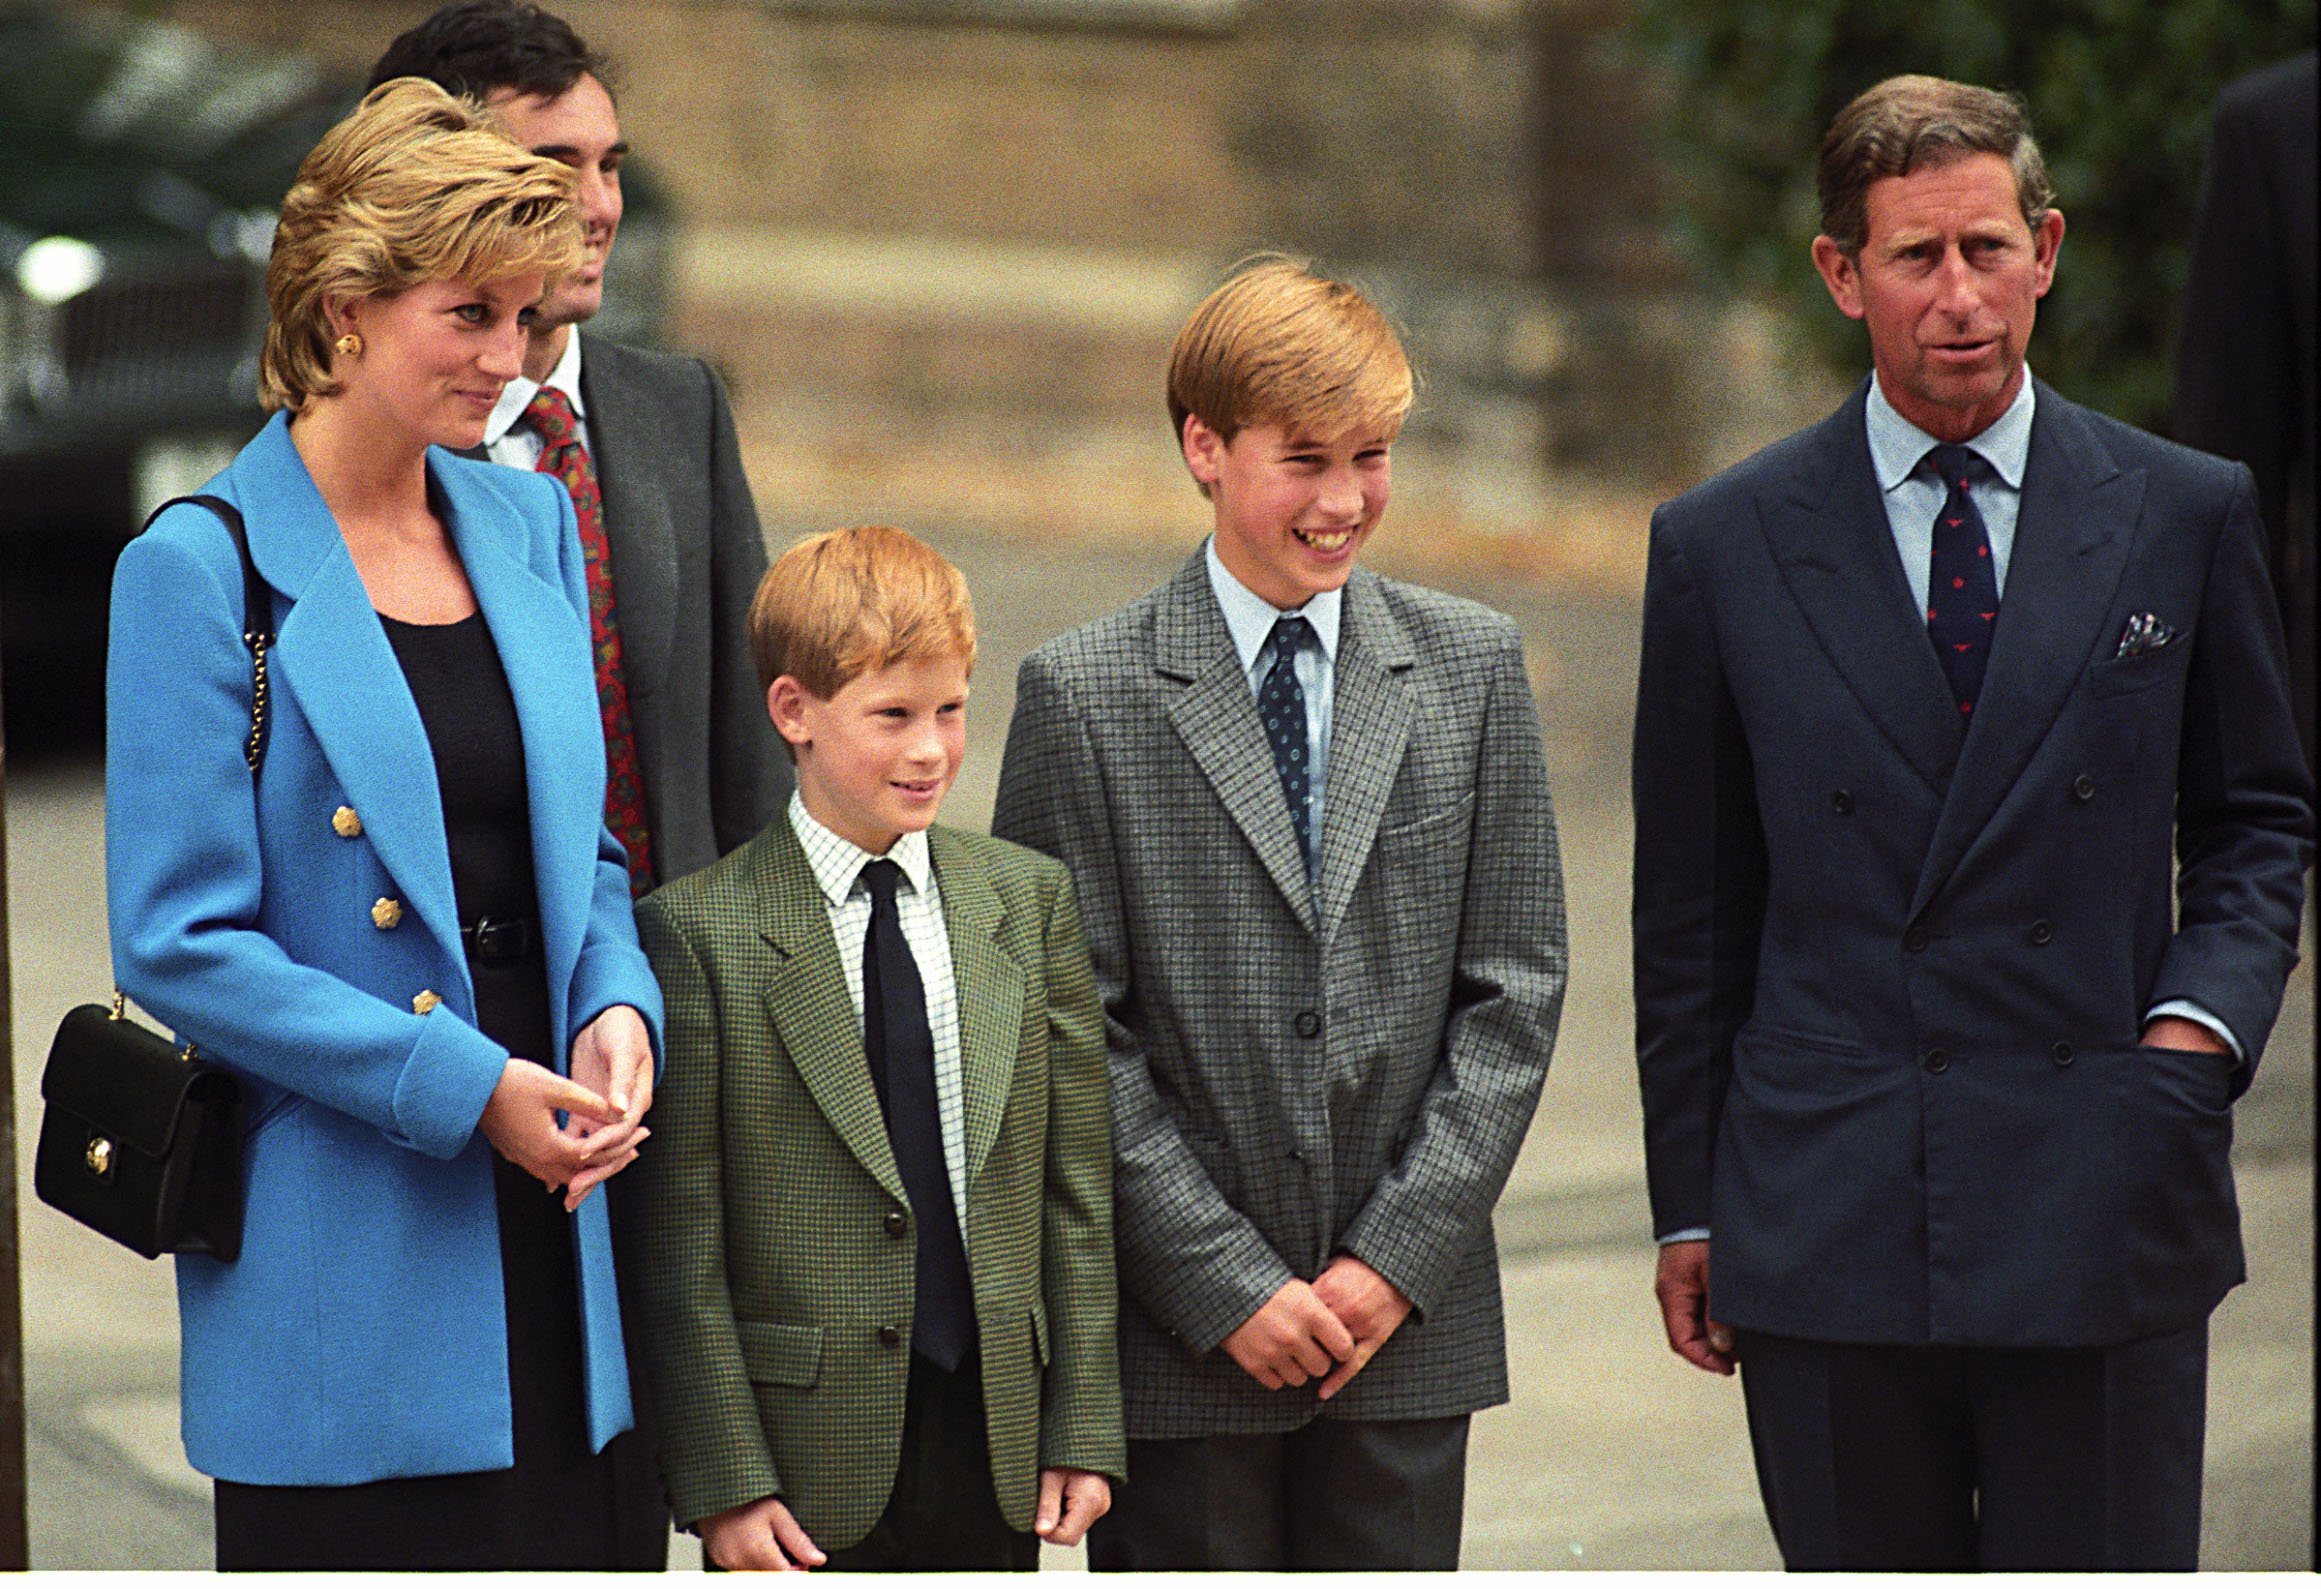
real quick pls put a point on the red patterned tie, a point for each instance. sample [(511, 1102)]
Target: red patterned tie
[(561, 454)]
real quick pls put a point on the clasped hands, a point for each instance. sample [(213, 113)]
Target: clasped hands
[(603, 1101), (1327, 1330)]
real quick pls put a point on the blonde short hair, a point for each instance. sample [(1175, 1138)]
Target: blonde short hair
[(845, 602), (413, 186), (1278, 344)]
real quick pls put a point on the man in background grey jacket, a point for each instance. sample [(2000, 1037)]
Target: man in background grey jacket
[(694, 772)]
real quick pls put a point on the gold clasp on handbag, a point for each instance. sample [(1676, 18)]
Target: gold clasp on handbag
[(99, 1158)]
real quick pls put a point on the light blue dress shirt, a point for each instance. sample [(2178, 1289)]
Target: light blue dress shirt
[(1914, 492), (1250, 618)]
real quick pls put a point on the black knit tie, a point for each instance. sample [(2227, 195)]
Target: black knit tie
[(902, 1067)]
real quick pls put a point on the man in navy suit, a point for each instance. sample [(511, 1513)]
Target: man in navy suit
[(1971, 824)]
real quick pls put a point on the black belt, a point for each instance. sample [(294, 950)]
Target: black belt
[(498, 940)]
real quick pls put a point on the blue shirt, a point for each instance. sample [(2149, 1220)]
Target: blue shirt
[(1914, 493), (1250, 618)]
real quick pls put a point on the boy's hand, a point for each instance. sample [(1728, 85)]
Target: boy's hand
[(1294, 1337), (759, 1537), (614, 1056), (1070, 1499), (1370, 1306)]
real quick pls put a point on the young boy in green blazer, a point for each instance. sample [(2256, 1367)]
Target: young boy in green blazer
[(876, 1262)]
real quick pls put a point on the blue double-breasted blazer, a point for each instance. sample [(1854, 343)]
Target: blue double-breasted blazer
[(302, 931)]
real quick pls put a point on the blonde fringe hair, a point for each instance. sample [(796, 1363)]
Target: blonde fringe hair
[(413, 186), (1278, 344), (845, 602)]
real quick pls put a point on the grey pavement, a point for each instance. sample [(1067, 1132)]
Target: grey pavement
[(1612, 1453)]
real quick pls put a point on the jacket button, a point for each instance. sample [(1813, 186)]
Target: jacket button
[(2042, 932), (386, 914), (888, 1335), (1916, 938), (1937, 1061), (896, 1223), (1308, 1024), (2083, 787), (2062, 1053), (345, 823), (424, 1000), (1842, 802)]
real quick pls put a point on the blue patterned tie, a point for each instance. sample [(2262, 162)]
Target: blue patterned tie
[(1281, 705), (1962, 589)]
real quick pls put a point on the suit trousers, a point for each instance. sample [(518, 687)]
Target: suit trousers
[(1338, 1495), (1946, 1458), (943, 1515)]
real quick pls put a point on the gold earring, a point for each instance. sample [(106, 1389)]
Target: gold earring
[(349, 346)]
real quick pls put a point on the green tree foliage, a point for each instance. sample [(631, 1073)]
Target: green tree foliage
[(2119, 92)]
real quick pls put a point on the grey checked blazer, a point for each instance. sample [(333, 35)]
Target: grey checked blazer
[(1299, 1072), (687, 557)]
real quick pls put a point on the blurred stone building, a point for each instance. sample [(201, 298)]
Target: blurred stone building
[(939, 247)]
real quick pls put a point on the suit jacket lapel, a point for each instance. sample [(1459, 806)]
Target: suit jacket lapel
[(630, 448), (1835, 548), (1216, 717), (331, 655), (2071, 544), (1369, 727), (991, 997), (809, 1007)]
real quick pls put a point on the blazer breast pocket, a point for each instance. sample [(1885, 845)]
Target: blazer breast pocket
[(2116, 676), (1438, 826)]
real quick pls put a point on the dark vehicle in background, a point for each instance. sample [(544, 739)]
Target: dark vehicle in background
[(140, 170)]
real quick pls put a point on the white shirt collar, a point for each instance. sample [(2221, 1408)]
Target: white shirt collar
[(1249, 617), (517, 395), (1897, 447), (838, 862)]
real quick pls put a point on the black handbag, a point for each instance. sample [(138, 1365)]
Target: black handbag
[(140, 1140)]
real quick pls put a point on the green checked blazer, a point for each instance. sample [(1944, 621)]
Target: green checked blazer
[(774, 1260)]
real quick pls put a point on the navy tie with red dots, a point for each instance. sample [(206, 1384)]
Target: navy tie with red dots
[(1962, 593), (1281, 705)]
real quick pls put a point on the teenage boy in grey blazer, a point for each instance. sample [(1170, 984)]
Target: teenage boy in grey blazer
[(1307, 812)]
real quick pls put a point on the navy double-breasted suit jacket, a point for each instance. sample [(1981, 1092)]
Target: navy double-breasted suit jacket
[(1892, 962)]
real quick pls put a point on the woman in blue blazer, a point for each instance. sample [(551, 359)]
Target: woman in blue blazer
[(413, 919)]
